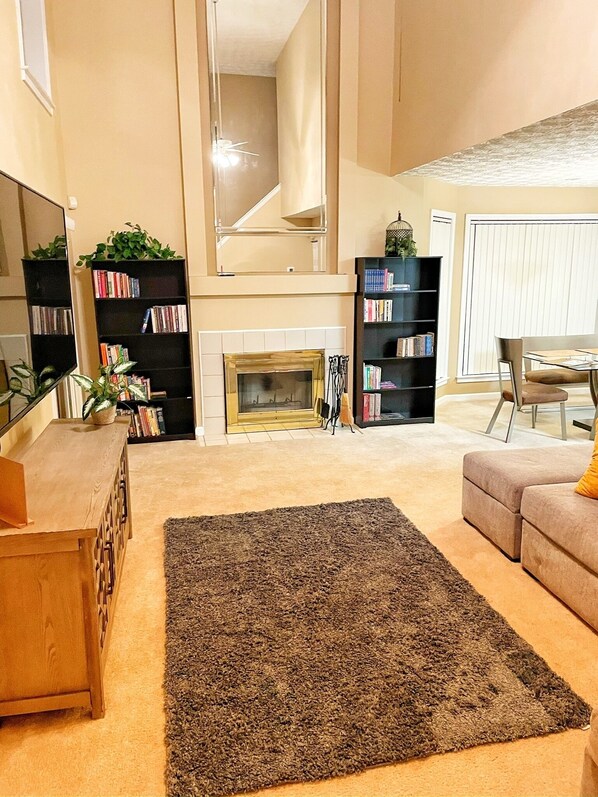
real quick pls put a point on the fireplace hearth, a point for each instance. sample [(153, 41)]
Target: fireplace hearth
[(273, 390)]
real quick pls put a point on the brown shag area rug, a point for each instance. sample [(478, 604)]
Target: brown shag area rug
[(310, 642)]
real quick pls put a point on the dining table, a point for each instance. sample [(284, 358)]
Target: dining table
[(574, 360)]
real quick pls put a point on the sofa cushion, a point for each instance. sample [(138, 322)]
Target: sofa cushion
[(569, 520), (589, 781), (505, 474)]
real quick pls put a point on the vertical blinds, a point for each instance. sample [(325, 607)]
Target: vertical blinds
[(525, 276)]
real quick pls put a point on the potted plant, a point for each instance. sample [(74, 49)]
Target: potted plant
[(132, 244), (105, 390), (28, 383)]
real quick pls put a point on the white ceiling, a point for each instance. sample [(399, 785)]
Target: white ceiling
[(252, 33), (561, 151)]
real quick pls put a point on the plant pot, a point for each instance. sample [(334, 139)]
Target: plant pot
[(104, 417)]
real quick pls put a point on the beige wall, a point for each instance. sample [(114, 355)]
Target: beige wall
[(248, 107), (298, 82), (119, 109), (30, 151), (470, 70), (30, 147)]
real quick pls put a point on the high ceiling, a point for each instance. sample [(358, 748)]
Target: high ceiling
[(561, 151), (252, 33)]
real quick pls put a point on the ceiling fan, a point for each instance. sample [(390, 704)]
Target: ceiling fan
[(226, 153)]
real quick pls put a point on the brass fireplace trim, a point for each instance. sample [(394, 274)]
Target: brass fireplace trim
[(271, 362)]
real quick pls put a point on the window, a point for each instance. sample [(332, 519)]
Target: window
[(442, 243), (525, 275), (35, 66)]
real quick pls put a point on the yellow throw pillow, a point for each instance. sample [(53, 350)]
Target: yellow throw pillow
[(588, 484)]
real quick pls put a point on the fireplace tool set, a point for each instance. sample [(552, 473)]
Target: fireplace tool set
[(336, 407)]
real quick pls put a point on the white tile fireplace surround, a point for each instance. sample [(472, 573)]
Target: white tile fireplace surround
[(213, 345)]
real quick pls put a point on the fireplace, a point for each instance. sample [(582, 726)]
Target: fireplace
[(273, 390)]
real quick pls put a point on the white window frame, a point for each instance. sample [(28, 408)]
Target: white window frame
[(39, 84), (448, 217), (467, 284)]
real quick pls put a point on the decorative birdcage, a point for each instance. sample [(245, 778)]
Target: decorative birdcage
[(399, 238)]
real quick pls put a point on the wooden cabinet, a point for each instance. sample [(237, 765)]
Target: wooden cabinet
[(387, 321), (60, 575)]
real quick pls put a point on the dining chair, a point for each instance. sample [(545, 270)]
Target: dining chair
[(510, 353)]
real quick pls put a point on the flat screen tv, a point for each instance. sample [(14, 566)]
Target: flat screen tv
[(37, 341)]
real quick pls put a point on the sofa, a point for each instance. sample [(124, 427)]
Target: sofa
[(525, 502), (589, 778)]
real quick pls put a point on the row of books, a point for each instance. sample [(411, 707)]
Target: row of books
[(372, 377), (416, 346), (51, 320), (142, 382), (166, 318), (371, 406), (144, 421), (377, 310), (115, 285), (111, 353), (380, 280)]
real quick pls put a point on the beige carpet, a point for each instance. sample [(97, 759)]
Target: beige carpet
[(419, 468)]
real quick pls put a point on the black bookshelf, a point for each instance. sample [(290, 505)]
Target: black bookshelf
[(48, 285), (414, 312), (163, 357)]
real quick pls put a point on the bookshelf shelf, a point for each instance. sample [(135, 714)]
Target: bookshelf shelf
[(142, 334), (414, 314), (147, 299), (367, 294), (163, 357), (400, 321), (400, 389)]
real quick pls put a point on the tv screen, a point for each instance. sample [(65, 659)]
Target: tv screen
[(37, 341)]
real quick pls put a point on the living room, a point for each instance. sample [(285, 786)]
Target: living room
[(128, 137)]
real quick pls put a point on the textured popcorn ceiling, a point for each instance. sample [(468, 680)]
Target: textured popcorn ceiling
[(559, 151), (252, 33)]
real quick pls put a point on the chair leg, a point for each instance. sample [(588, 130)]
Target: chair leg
[(511, 424), (534, 415), (563, 421), (501, 401)]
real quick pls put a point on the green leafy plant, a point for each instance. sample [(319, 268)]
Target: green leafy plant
[(28, 383), (132, 244), (55, 250), (105, 390), (405, 247)]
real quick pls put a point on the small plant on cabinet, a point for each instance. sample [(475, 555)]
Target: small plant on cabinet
[(104, 391)]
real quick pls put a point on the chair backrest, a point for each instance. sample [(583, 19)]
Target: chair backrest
[(510, 353), (557, 342)]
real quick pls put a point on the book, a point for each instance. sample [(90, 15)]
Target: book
[(146, 318)]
